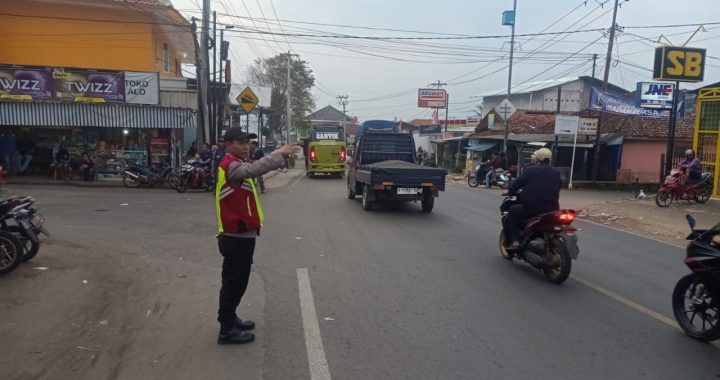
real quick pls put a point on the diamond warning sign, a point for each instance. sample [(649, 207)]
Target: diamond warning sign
[(247, 100)]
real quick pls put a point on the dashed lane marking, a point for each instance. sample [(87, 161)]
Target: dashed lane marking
[(319, 369)]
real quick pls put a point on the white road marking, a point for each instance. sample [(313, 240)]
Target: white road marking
[(648, 312), (319, 369), (631, 233)]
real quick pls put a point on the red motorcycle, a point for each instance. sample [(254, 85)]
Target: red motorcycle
[(676, 188)]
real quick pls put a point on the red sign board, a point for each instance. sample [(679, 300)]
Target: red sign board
[(432, 98)]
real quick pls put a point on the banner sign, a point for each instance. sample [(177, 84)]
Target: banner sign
[(677, 63), (429, 130), (142, 88), (657, 95), (603, 101), (26, 83), (432, 98), (85, 86), (74, 85)]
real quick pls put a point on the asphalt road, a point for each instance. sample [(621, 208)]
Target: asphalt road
[(131, 293)]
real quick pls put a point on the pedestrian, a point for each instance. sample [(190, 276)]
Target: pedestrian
[(491, 164), (8, 147), (240, 217), (218, 154), (25, 152)]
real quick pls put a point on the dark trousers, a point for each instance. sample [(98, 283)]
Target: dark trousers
[(518, 213), (237, 263)]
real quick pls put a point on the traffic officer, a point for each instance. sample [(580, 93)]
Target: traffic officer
[(240, 217)]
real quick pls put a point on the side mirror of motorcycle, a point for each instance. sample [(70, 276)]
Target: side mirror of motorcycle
[(691, 221)]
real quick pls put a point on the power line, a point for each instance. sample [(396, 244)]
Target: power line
[(268, 25), (278, 20), (97, 20)]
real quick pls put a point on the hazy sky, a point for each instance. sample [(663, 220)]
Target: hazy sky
[(368, 69)]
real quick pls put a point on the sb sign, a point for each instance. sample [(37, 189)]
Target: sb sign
[(679, 64)]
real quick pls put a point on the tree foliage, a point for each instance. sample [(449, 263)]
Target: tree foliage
[(272, 72)]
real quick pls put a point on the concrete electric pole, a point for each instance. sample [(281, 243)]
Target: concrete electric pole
[(343, 100), (204, 72), (512, 49)]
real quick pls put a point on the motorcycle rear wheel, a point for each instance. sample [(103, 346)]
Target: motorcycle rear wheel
[(702, 196), (172, 180), (129, 181), (559, 270), (691, 299), (473, 181), (663, 199), (11, 252), (32, 247)]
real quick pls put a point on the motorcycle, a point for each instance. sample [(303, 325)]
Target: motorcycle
[(502, 178), (696, 297), (135, 175), (194, 177), (547, 242), (11, 252), (27, 223), (674, 189)]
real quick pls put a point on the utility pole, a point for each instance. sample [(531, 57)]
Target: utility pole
[(437, 85), (608, 61), (343, 101), (512, 49), (288, 93), (204, 67), (213, 84), (593, 69), (199, 80), (555, 146)]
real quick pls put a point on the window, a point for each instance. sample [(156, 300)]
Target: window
[(166, 58)]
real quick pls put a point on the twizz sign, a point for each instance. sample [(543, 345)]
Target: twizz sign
[(679, 64)]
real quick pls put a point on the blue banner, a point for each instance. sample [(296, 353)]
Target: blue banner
[(602, 101)]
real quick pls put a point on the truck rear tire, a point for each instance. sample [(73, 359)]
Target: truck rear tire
[(428, 202), (366, 202)]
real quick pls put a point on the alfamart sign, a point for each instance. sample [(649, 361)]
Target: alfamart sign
[(74, 85)]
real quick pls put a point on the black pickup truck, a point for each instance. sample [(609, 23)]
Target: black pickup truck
[(383, 168)]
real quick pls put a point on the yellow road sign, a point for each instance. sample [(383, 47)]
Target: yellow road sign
[(247, 100)]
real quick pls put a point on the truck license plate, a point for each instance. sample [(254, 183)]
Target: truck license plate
[(408, 190)]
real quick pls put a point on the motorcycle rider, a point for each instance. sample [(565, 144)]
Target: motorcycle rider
[(692, 167), (491, 164), (540, 187)]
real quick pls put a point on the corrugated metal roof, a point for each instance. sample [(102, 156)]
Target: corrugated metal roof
[(52, 114)]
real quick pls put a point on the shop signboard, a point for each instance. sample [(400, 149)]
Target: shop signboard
[(89, 86), (566, 125), (679, 63), (142, 88), (587, 126), (432, 98), (26, 83), (425, 130), (657, 95)]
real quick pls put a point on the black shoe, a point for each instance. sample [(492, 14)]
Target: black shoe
[(235, 336), (244, 325)]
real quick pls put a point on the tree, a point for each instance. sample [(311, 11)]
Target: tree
[(272, 72)]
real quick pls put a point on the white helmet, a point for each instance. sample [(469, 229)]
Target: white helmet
[(543, 154), (689, 152)]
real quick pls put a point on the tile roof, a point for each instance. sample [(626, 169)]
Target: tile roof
[(329, 113), (633, 127)]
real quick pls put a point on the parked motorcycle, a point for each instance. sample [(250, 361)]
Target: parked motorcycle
[(192, 176), (696, 297), (548, 241), (19, 216), (135, 175), (674, 189)]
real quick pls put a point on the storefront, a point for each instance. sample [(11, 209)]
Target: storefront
[(111, 134)]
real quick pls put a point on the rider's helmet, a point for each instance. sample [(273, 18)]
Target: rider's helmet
[(689, 153), (543, 155)]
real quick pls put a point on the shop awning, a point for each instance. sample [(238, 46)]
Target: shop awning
[(482, 146), (51, 114)]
